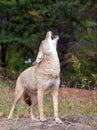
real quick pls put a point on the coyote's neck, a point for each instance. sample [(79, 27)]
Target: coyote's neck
[(50, 65)]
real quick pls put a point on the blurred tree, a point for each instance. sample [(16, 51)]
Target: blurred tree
[(3, 28), (23, 25)]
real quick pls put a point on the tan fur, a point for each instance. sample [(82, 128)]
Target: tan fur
[(45, 75)]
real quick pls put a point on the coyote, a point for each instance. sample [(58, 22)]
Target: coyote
[(43, 76)]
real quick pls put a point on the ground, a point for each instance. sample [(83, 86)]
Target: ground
[(70, 122), (76, 122)]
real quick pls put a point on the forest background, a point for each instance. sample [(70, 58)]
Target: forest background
[(24, 23)]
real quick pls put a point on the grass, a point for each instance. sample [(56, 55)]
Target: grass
[(12, 129), (66, 106)]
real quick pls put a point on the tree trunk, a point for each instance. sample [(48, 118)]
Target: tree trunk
[(65, 45), (3, 47)]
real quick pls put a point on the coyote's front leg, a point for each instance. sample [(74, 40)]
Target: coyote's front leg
[(40, 104), (55, 102)]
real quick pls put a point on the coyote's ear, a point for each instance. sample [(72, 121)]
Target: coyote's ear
[(39, 57)]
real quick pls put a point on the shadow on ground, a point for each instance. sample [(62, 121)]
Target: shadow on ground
[(76, 122)]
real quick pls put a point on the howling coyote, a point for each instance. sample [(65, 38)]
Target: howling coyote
[(43, 76)]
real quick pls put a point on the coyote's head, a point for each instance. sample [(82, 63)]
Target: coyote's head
[(48, 46)]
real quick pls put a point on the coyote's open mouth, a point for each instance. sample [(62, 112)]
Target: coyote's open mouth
[(52, 35)]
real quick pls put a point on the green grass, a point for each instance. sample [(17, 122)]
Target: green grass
[(66, 106), (12, 129)]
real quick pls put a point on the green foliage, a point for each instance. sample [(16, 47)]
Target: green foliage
[(23, 24)]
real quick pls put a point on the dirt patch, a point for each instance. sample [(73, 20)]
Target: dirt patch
[(69, 123), (83, 96)]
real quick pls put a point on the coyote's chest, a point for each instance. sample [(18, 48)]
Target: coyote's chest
[(49, 68)]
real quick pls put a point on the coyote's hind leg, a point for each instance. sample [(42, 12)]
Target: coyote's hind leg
[(17, 98)]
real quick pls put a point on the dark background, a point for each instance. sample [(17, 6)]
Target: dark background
[(24, 23)]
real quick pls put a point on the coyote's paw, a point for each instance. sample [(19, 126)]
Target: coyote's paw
[(43, 119), (9, 117), (33, 118), (58, 120)]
